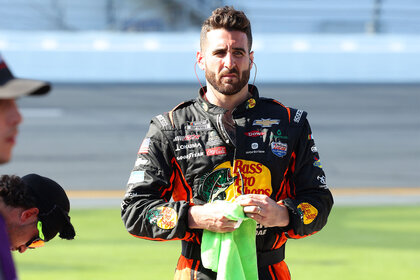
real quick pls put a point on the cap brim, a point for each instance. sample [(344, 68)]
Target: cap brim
[(22, 87)]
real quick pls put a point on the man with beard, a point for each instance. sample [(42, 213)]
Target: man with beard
[(229, 144)]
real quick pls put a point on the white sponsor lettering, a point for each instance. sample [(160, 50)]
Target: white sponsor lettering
[(162, 120), (199, 125), (255, 152), (186, 137), (261, 230), (190, 155), (298, 116), (187, 146)]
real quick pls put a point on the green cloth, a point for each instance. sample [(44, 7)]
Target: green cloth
[(232, 254)]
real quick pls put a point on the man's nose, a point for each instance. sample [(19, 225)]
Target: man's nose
[(14, 116), (229, 61)]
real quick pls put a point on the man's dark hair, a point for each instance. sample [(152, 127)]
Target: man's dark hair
[(14, 192), (227, 18)]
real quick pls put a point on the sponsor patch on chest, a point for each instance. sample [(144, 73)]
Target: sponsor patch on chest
[(279, 148)]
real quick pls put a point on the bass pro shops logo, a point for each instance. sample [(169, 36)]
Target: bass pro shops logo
[(244, 177), (307, 212), (163, 217)]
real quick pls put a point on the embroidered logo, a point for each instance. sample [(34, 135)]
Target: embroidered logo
[(307, 212), (278, 134), (162, 120), (213, 185), (187, 137), (322, 179), (298, 116), (254, 133), (216, 151), (266, 122), (198, 125), (279, 148), (163, 217), (251, 178), (317, 162), (251, 103), (136, 177), (144, 148)]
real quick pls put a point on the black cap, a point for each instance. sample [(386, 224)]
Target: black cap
[(11, 87), (53, 205)]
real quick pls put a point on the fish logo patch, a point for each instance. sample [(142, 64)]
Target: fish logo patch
[(163, 217), (214, 184)]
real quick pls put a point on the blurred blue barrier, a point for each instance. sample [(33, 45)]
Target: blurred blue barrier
[(170, 57)]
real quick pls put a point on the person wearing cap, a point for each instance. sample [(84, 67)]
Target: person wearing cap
[(35, 209), (12, 88)]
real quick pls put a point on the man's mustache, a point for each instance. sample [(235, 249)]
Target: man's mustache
[(231, 71)]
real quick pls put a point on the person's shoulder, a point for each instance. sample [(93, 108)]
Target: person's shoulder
[(295, 116), (167, 121), (183, 105)]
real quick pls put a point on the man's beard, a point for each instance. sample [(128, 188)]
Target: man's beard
[(228, 88)]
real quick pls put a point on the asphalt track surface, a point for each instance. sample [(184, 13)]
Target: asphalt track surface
[(86, 136)]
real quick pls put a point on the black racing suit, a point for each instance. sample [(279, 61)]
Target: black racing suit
[(188, 158)]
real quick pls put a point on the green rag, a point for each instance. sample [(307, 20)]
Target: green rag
[(231, 254)]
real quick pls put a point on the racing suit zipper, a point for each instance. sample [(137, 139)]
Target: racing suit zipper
[(229, 141), (223, 131)]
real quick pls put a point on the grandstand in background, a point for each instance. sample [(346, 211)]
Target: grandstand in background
[(267, 16)]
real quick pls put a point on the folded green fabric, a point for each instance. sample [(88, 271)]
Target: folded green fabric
[(232, 254)]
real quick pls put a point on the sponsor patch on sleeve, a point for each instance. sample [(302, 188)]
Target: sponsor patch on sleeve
[(307, 212), (162, 120), (298, 116), (163, 217), (144, 147), (136, 177), (317, 162)]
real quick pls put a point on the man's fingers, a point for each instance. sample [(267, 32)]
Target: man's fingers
[(253, 209)]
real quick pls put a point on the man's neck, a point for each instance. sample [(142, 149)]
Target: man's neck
[(228, 102)]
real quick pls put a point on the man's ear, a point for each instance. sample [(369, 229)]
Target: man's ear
[(29, 215), (200, 60)]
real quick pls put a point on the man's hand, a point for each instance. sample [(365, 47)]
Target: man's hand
[(209, 216), (264, 210)]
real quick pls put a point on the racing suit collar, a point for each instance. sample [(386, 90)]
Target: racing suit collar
[(214, 109)]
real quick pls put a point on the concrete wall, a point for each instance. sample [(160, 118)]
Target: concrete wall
[(157, 57)]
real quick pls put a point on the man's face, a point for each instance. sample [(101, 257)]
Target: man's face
[(10, 118), (226, 60)]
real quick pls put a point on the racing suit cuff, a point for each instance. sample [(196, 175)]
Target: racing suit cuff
[(294, 216)]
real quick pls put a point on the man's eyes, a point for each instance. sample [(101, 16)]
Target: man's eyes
[(235, 53), (238, 53)]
